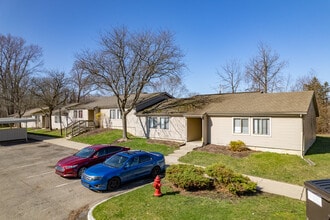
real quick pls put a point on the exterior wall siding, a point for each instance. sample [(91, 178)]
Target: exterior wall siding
[(309, 128), (285, 134), (138, 126), (175, 132)]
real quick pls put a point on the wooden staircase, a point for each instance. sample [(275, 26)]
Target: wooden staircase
[(79, 127)]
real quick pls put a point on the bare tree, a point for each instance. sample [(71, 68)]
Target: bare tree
[(51, 92), (263, 71), (127, 61), (18, 62), (303, 80), (173, 85), (81, 83), (230, 76)]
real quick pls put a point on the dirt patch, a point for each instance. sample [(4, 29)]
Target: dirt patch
[(219, 149), (96, 131), (79, 214)]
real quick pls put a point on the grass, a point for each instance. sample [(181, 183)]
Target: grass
[(113, 135), (110, 137), (141, 204), (281, 167), (54, 133)]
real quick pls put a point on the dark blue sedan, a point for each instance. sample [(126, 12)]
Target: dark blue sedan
[(123, 167)]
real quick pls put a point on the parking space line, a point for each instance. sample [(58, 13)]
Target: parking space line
[(64, 184), (40, 174), (28, 165)]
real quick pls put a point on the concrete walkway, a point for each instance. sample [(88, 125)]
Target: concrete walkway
[(265, 185)]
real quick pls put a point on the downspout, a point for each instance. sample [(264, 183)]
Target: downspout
[(204, 129), (302, 136)]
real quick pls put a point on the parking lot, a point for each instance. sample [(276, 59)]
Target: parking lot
[(31, 190)]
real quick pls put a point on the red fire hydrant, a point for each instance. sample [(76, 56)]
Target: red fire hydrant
[(157, 186)]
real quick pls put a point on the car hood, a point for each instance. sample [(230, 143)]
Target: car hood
[(71, 160), (100, 170)]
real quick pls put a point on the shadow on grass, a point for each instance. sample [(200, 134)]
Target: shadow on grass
[(320, 146), (171, 193)]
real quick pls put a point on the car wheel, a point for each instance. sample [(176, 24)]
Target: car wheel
[(81, 171), (155, 171), (113, 183)]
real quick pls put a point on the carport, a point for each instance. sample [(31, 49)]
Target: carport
[(12, 132)]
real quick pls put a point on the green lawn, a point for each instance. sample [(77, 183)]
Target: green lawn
[(281, 167), (111, 136), (54, 133), (141, 204)]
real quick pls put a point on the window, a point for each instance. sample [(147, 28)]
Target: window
[(164, 122), (118, 114), (152, 122), (77, 114), (115, 114), (261, 126), (145, 158), (80, 114), (57, 119), (241, 126)]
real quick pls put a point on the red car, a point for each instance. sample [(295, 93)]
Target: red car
[(75, 165)]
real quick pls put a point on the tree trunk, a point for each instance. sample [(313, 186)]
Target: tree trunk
[(124, 121)]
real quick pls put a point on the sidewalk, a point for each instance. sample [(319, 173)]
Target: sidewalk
[(264, 185)]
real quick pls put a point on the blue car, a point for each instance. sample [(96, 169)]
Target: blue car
[(123, 167)]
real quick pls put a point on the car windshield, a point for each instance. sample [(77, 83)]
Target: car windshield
[(116, 161), (85, 152)]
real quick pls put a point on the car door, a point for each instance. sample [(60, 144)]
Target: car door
[(130, 169), (99, 156), (145, 165)]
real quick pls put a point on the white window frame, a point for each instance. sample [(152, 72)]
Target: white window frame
[(261, 131), (115, 113), (80, 114), (239, 129), (152, 122), (57, 119), (164, 122), (75, 114), (118, 114)]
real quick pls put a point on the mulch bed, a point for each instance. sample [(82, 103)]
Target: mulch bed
[(219, 149)]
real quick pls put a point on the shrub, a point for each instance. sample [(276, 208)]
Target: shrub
[(237, 146), (220, 173), (235, 183), (188, 177), (192, 178), (241, 185)]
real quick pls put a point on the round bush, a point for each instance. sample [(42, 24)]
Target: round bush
[(188, 177)]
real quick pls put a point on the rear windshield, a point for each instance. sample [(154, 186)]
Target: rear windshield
[(85, 152), (116, 161)]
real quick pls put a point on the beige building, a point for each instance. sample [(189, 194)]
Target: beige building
[(275, 122)]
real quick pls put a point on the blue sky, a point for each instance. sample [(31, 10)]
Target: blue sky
[(209, 32)]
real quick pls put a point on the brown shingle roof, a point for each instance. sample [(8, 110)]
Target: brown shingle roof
[(111, 101), (290, 103)]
